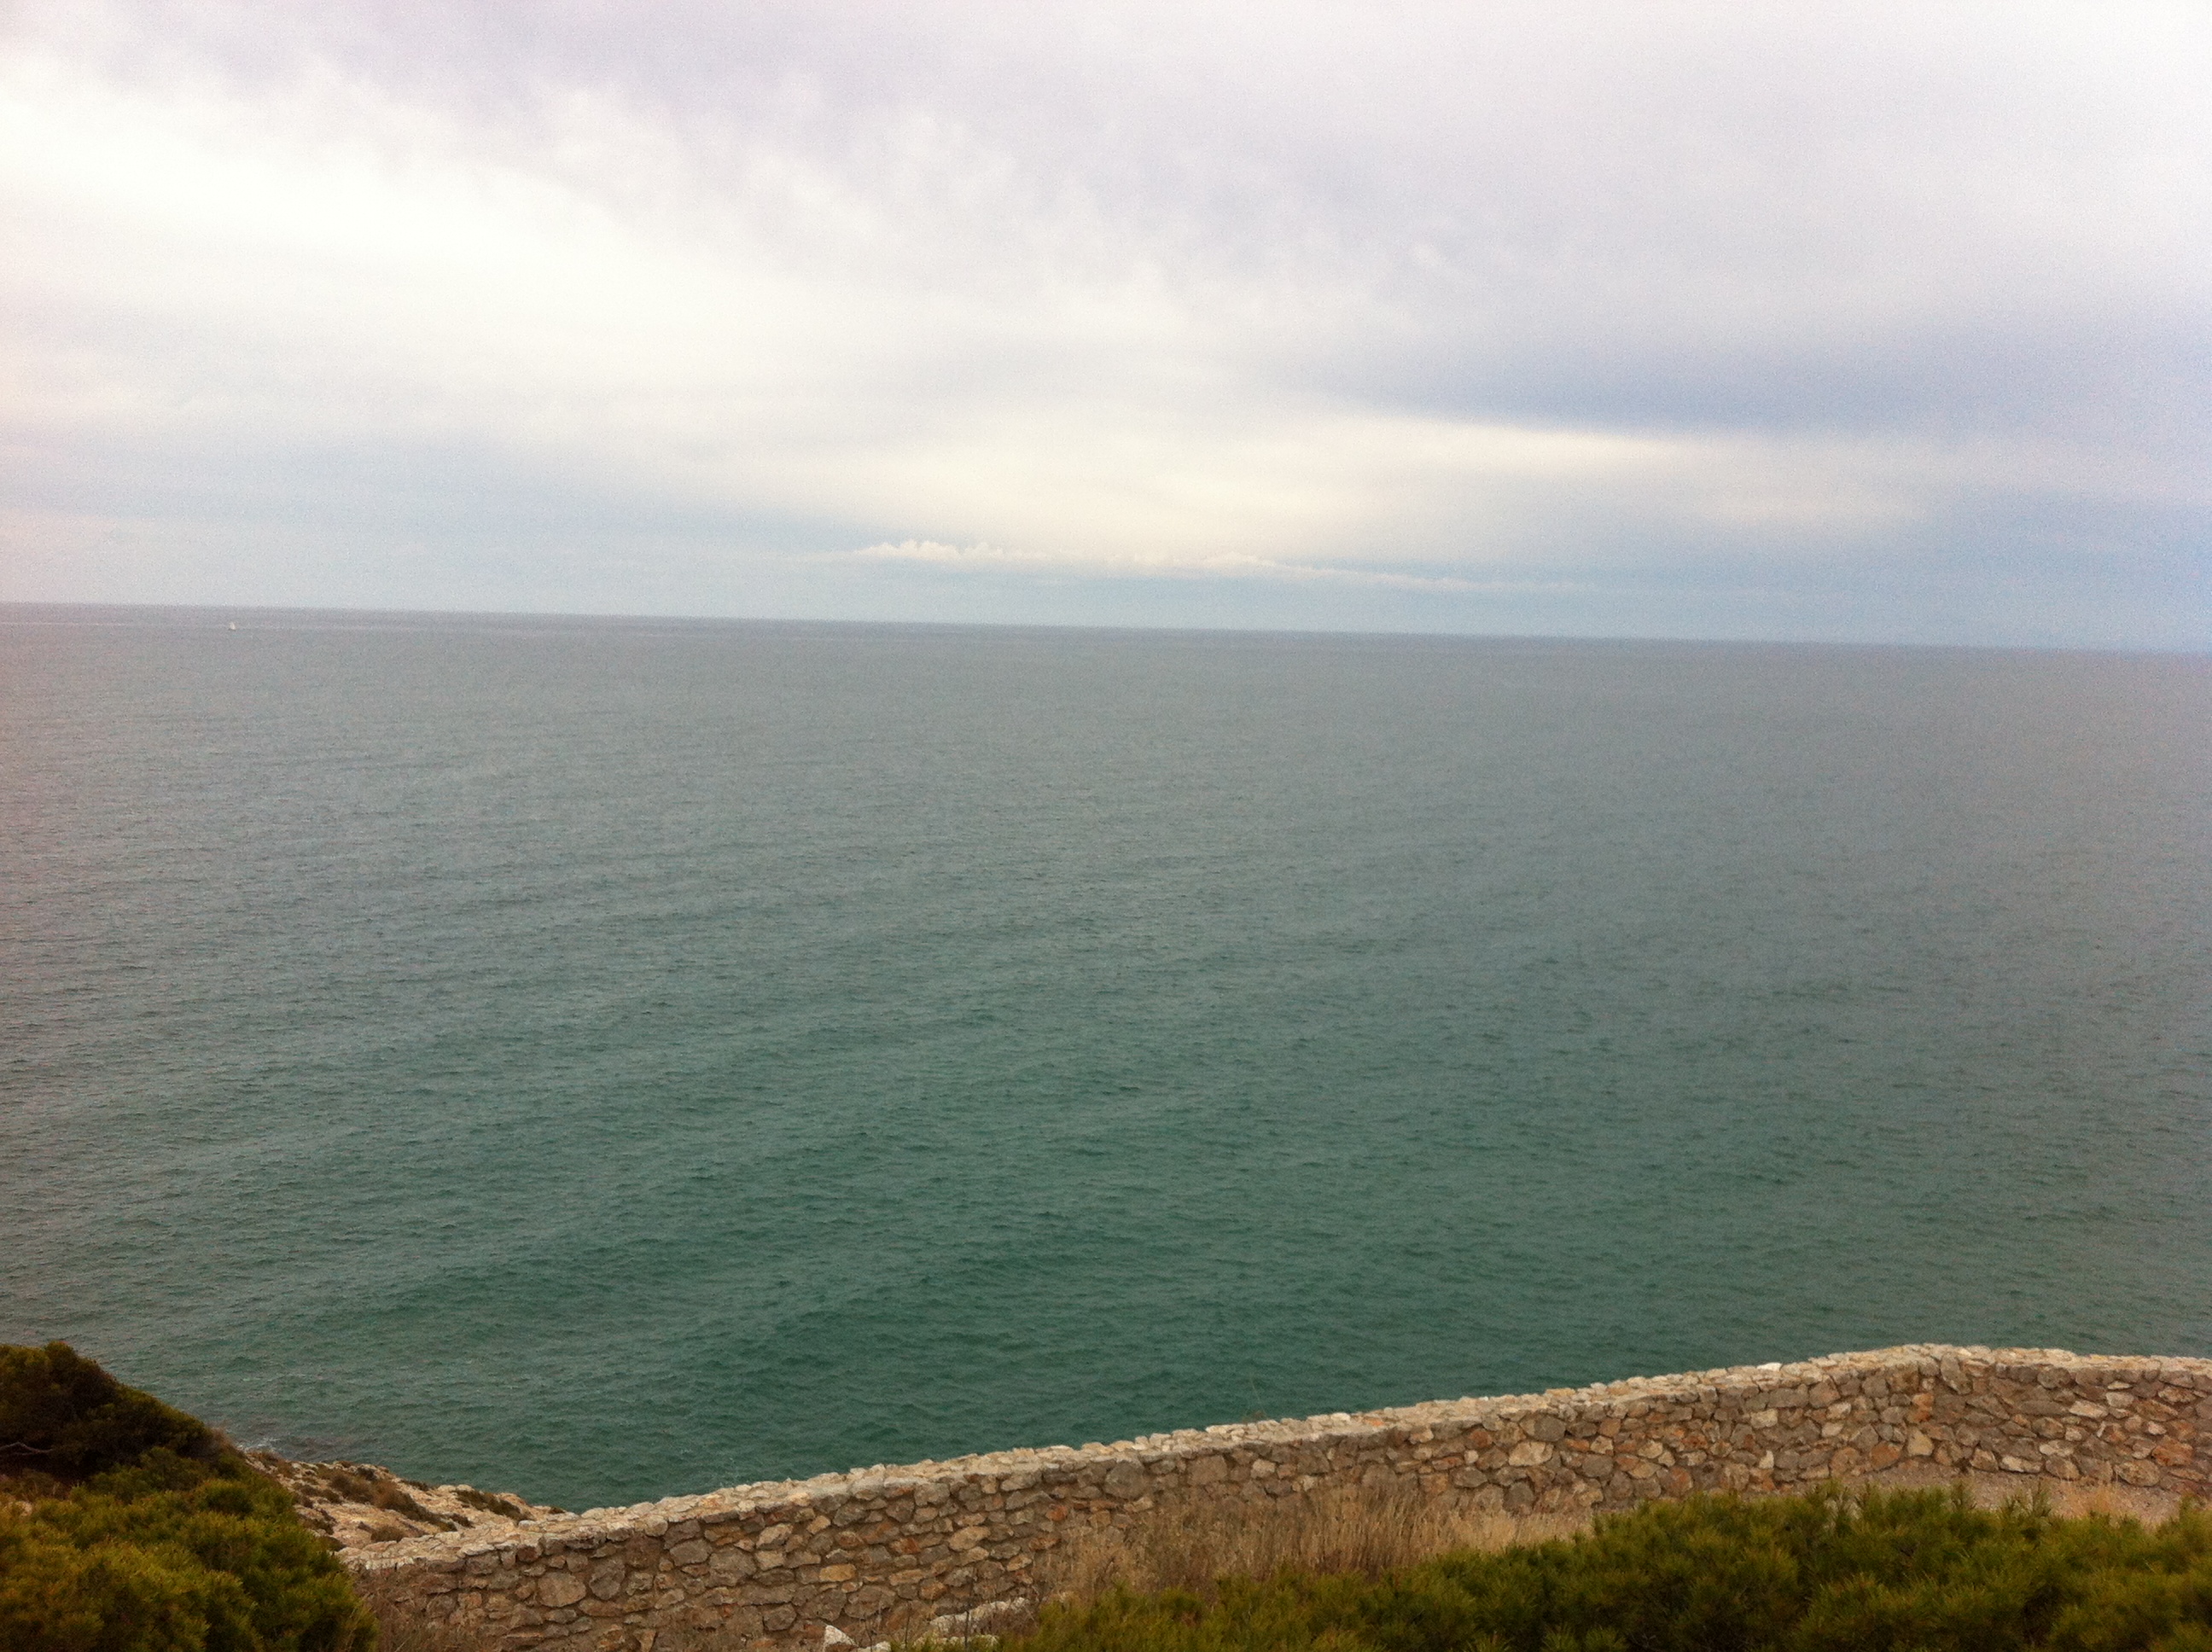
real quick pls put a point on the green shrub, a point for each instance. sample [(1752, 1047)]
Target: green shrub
[(141, 1531), (62, 1415), (1831, 1572)]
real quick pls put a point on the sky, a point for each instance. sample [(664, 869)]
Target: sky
[(1879, 322)]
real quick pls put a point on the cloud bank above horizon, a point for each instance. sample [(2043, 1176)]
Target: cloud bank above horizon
[(1888, 324)]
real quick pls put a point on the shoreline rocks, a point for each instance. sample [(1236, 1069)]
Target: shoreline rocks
[(355, 1506)]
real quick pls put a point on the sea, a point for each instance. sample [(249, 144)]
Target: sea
[(609, 1059)]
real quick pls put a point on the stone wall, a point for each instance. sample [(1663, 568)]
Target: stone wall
[(878, 1553)]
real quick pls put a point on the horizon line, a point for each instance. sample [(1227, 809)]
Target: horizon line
[(10, 607)]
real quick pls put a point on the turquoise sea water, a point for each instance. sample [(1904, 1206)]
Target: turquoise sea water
[(606, 1059)]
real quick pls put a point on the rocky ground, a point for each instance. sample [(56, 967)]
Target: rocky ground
[(356, 1504)]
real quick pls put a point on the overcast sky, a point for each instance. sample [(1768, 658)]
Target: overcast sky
[(1880, 322)]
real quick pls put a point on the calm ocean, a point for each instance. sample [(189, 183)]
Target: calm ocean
[(610, 1059)]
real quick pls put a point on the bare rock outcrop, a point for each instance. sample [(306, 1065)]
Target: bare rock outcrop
[(354, 1505)]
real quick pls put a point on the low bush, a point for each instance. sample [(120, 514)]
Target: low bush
[(1835, 1571), (126, 1526), (62, 1416)]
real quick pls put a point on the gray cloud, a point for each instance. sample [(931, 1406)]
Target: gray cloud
[(1687, 318)]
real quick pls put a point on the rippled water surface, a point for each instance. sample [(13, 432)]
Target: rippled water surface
[(610, 1058)]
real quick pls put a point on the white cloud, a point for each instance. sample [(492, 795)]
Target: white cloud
[(1442, 301), (1145, 564)]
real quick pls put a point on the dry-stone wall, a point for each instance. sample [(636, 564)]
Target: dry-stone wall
[(879, 1552)]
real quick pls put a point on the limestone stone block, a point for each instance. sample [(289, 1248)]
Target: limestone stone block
[(871, 1601), (730, 1565)]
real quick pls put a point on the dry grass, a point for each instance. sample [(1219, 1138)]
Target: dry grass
[(2072, 1499), (1370, 1530), (2105, 1500), (401, 1624)]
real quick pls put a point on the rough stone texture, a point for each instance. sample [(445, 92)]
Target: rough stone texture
[(357, 1504), (879, 1552)]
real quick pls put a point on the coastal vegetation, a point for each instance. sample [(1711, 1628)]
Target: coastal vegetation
[(126, 1526), (1834, 1570)]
